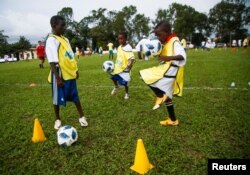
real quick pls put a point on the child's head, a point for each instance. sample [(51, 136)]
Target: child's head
[(122, 38), (40, 42), (58, 24), (162, 31)]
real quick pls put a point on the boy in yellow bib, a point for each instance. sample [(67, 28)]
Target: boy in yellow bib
[(64, 71), (124, 62), (167, 78)]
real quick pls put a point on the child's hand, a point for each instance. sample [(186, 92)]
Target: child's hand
[(59, 82), (77, 75)]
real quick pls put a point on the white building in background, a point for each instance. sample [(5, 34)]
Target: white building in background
[(28, 54)]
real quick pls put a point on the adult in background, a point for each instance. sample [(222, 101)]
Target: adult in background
[(40, 52), (245, 44), (139, 48), (111, 53)]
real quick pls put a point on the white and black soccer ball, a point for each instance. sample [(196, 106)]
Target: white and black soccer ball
[(108, 66), (66, 135), (153, 47)]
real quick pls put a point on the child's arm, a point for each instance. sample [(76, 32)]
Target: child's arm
[(130, 64), (169, 58), (59, 80)]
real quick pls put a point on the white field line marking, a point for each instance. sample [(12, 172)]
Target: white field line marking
[(138, 87)]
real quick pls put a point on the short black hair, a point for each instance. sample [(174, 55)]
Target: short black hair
[(55, 19), (123, 34), (164, 25)]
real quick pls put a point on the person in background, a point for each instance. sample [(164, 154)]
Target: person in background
[(40, 52), (245, 44), (100, 50), (139, 48), (111, 53)]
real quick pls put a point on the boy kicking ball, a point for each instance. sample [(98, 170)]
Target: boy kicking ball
[(124, 62), (167, 78), (64, 71)]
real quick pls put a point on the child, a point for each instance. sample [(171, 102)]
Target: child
[(167, 78), (64, 71), (111, 53), (124, 62), (40, 52)]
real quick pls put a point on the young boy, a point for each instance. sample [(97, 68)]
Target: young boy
[(64, 71), (111, 53), (167, 78), (40, 52), (124, 62)]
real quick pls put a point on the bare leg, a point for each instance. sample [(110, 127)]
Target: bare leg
[(56, 109), (79, 108), (115, 83), (126, 89)]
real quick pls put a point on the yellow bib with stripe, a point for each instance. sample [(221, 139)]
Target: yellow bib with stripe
[(67, 62), (154, 74), (122, 60)]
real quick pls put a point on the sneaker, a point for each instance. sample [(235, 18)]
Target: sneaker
[(126, 97), (83, 121), (58, 124), (114, 91), (169, 122), (159, 102)]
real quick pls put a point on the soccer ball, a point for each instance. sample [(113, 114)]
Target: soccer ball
[(108, 66), (153, 47), (66, 135)]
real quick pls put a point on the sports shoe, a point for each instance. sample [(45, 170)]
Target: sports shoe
[(83, 121), (58, 124), (169, 122), (114, 91), (159, 101), (126, 97)]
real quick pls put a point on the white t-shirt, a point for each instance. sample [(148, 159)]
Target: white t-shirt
[(51, 49), (179, 50), (141, 44)]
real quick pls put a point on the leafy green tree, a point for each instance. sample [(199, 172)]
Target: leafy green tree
[(4, 46), (228, 19)]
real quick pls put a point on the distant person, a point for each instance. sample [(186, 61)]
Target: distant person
[(234, 45), (64, 71), (111, 53), (77, 53), (139, 48), (184, 44), (40, 52), (239, 43), (100, 50), (245, 44)]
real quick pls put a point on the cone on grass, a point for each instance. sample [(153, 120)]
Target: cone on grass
[(38, 134), (32, 85), (141, 162)]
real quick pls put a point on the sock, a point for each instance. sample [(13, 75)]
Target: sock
[(40, 65), (170, 108)]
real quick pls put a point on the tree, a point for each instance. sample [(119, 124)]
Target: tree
[(4, 46), (67, 13), (228, 19)]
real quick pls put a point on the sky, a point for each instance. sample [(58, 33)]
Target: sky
[(30, 18)]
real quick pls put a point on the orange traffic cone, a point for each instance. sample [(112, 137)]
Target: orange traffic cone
[(141, 163), (38, 134)]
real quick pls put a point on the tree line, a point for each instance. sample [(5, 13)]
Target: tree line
[(227, 20)]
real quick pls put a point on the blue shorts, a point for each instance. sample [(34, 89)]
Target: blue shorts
[(66, 93), (119, 79)]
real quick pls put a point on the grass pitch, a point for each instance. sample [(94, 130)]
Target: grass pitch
[(214, 119)]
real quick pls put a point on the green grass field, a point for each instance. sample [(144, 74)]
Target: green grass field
[(214, 119)]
